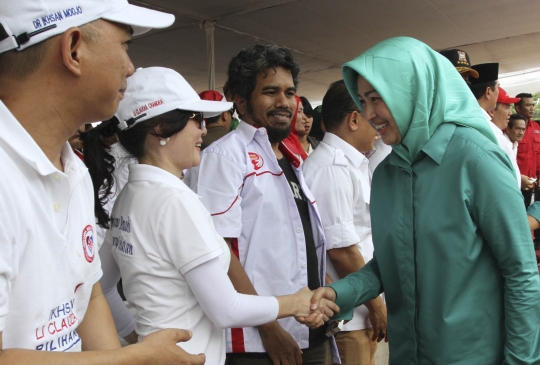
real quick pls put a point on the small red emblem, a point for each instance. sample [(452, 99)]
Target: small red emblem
[(88, 243), (256, 160)]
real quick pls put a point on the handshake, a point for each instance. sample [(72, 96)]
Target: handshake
[(311, 308)]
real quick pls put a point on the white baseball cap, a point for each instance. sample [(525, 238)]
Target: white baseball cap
[(154, 91), (28, 22)]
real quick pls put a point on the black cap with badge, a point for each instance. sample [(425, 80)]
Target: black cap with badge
[(488, 72), (460, 60)]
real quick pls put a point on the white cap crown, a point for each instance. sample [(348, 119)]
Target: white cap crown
[(154, 91), (28, 22)]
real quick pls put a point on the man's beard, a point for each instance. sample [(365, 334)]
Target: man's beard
[(275, 134)]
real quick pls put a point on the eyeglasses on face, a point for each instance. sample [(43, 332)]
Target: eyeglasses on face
[(199, 117)]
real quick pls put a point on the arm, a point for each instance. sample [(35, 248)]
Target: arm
[(156, 349), (123, 320), (227, 308), (533, 216), (279, 344), (348, 260), (497, 209)]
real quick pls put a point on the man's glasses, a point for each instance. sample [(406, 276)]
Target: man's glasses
[(199, 117)]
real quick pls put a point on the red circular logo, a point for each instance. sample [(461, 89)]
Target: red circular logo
[(88, 243), (256, 160)]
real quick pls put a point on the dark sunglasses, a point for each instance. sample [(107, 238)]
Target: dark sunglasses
[(199, 117)]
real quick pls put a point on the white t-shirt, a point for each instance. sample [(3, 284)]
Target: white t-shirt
[(48, 261), (160, 231), (338, 176)]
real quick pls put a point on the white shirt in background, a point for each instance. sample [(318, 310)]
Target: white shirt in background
[(338, 176)]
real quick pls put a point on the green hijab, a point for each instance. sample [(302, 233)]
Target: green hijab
[(421, 89)]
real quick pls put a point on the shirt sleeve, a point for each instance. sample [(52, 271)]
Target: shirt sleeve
[(335, 193), (219, 185), (534, 210), (222, 304), (497, 208), (357, 288), (186, 236)]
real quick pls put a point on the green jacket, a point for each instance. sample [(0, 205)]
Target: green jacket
[(453, 255)]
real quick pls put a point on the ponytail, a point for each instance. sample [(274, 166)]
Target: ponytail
[(100, 165)]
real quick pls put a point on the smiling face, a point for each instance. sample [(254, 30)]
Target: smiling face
[(377, 113), (185, 146), (271, 104)]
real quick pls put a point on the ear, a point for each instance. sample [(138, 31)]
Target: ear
[(352, 120), (241, 104), (71, 43)]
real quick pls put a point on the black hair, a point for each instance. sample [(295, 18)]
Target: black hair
[(336, 102), (515, 117), (308, 109), (521, 96), (100, 162), (479, 90), (244, 67)]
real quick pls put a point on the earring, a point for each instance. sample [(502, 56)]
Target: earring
[(162, 142)]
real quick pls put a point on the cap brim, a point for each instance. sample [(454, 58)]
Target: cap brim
[(472, 72), (141, 19), (208, 108), (508, 100)]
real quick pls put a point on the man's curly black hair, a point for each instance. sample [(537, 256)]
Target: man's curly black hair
[(243, 68)]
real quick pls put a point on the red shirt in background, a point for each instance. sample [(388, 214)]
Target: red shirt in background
[(528, 155)]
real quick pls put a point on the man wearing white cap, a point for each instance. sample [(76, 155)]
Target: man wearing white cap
[(62, 64)]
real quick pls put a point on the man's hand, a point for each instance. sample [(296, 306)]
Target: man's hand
[(162, 349), (280, 345), (526, 183), (377, 317)]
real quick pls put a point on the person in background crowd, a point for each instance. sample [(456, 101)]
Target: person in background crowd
[(485, 88), (461, 61), (229, 98), (317, 131), (292, 141), (516, 129), (252, 184), (303, 129), (337, 174), (52, 81), (500, 116), (528, 156), (177, 280), (75, 140), (434, 260), (219, 125)]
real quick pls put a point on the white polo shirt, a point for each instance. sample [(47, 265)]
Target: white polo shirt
[(160, 231), (248, 195), (338, 176), (48, 260)]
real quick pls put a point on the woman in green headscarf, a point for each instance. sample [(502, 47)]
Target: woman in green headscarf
[(453, 251)]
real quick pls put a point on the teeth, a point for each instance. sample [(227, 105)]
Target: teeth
[(380, 126)]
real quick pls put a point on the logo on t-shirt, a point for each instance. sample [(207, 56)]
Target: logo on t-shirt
[(88, 243), (256, 160)]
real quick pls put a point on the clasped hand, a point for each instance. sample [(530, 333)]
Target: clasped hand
[(317, 307)]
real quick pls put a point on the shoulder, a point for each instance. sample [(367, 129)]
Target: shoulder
[(231, 146)]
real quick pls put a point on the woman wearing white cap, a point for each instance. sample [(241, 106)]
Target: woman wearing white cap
[(173, 263)]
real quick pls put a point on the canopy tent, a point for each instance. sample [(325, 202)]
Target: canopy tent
[(323, 34)]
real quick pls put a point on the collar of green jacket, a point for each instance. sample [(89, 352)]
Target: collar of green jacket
[(421, 89)]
